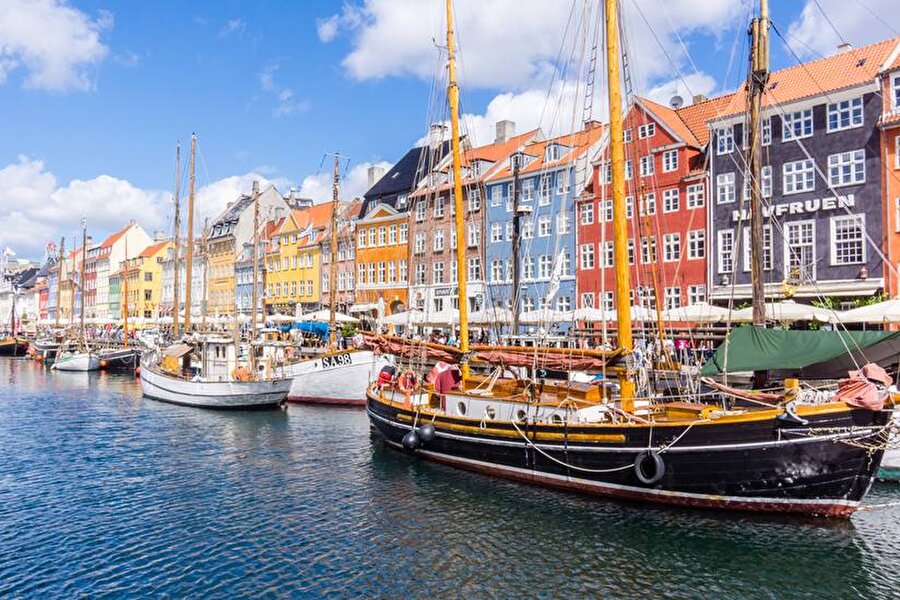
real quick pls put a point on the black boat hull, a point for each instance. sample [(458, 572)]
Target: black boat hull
[(754, 466), (121, 360), (9, 347)]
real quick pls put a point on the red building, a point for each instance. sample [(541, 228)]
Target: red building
[(666, 205)]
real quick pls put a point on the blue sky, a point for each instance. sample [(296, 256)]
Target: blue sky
[(91, 117)]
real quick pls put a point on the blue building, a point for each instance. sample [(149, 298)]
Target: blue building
[(551, 175)]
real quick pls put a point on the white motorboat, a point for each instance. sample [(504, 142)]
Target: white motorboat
[(77, 361), (890, 464), (208, 375), (339, 377)]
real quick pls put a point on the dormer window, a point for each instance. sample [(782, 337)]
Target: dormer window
[(552, 153), (516, 161)]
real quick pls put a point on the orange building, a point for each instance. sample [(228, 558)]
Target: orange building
[(382, 258), (890, 160)]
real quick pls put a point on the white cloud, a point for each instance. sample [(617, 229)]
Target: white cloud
[(687, 87), (286, 103), (55, 43), (327, 29), (354, 184), (811, 33), (516, 42), (233, 27)]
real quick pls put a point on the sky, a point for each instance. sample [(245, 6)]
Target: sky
[(95, 94)]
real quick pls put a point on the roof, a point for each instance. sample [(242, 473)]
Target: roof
[(843, 70), (218, 227), (579, 142), (112, 239), (669, 118), (403, 176), (152, 249), (697, 115)]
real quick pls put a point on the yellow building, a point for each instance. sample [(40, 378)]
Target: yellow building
[(144, 276), (294, 260)]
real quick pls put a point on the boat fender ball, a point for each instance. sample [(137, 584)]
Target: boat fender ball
[(411, 440), (426, 433), (649, 467), (102, 364)]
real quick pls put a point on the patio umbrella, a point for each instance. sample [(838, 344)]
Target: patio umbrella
[(882, 312), (701, 312), (786, 310)]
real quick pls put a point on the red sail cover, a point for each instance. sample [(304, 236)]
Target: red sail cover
[(555, 359)]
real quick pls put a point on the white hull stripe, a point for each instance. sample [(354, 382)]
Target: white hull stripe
[(604, 487), (632, 449)]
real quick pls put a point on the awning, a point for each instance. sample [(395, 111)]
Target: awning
[(366, 307), (178, 350)]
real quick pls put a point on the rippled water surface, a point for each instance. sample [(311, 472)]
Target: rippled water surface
[(104, 493)]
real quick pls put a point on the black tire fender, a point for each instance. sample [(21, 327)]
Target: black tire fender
[(659, 467)]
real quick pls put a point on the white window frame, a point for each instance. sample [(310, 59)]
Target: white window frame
[(895, 91), (587, 256), (802, 171), (670, 161), (696, 196), (850, 110), (647, 166), (696, 293), (854, 160), (671, 247), (586, 213), (496, 233), (544, 227), (724, 182), (667, 196), (721, 236), (833, 221), (789, 122), (724, 140), (646, 130), (787, 254), (696, 237)]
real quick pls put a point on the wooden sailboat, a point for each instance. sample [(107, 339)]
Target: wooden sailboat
[(780, 454), (338, 376), (13, 345), (80, 357), (204, 371)]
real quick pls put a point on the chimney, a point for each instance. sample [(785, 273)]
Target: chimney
[(699, 98), (375, 174), (845, 47), (505, 130), (437, 133)]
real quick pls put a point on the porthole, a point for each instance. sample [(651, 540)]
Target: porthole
[(461, 408), (521, 416), (490, 412), (556, 420)]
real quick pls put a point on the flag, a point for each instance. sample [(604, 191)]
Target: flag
[(9, 252)]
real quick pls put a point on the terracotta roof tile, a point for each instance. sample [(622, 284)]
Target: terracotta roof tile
[(696, 116), (579, 141), (112, 239), (152, 249), (670, 118)]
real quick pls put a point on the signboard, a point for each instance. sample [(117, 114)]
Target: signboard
[(801, 207)]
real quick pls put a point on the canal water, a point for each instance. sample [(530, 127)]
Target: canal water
[(105, 493)]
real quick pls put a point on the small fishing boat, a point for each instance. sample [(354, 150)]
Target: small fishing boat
[(336, 377), (13, 346), (76, 360), (44, 349), (120, 359)]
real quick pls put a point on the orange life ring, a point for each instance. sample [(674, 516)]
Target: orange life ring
[(406, 383)]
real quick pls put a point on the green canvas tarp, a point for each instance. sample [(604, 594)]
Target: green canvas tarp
[(812, 353)]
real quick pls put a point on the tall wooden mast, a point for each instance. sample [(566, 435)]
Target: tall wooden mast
[(125, 295), (205, 300), (189, 258), (62, 262), (516, 246), (83, 263), (453, 97), (177, 295), (620, 222), (758, 79), (254, 296), (332, 271)]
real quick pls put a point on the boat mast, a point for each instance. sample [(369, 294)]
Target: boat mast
[(758, 79), (620, 223), (177, 295), (83, 263), (516, 245), (71, 278), (453, 97), (189, 259), (332, 271), (205, 275), (62, 262), (255, 294), (125, 276)]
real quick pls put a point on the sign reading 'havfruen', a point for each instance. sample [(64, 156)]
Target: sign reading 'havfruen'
[(799, 208)]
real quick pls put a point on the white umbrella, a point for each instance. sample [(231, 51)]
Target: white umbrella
[(412, 317), (701, 312), (444, 317), (592, 315), (491, 315), (280, 318), (363, 307), (324, 315), (882, 312), (786, 310), (546, 315)]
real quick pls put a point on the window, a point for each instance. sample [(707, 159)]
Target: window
[(372, 233), (766, 133), (564, 304), (608, 301), (527, 304), (848, 245), (419, 247), (897, 152), (392, 236), (545, 266), (439, 207), (372, 273), (562, 223), (605, 172), (629, 207), (725, 250), (404, 232), (895, 91), (474, 271), (767, 181), (565, 268), (474, 198), (360, 274), (403, 270), (672, 297), (797, 125), (845, 114), (496, 271), (420, 274), (546, 186), (630, 252), (725, 192), (420, 211), (147, 277), (607, 208), (509, 231), (544, 229), (438, 243), (496, 195), (587, 256), (438, 272), (671, 247), (799, 176), (800, 251), (695, 195), (382, 236), (724, 140), (587, 300), (649, 204), (401, 201), (392, 272), (453, 239), (528, 190), (648, 250), (696, 244), (767, 248), (670, 161), (148, 295), (696, 294), (646, 166), (474, 235), (587, 213), (671, 201), (528, 268), (847, 168), (496, 233), (552, 153), (646, 130), (382, 272), (626, 135), (609, 254), (562, 182), (629, 170)]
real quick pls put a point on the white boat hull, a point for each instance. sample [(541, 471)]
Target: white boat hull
[(213, 394), (339, 378), (84, 361)]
